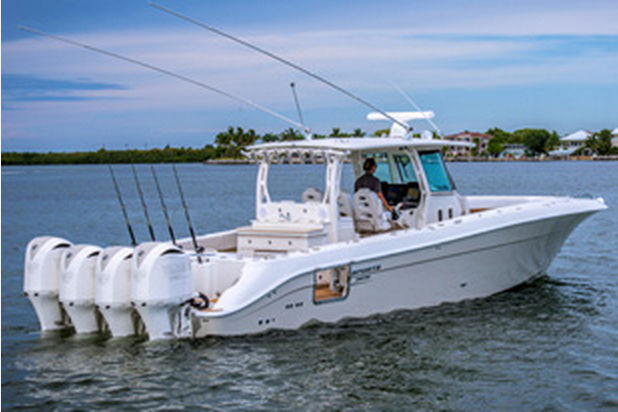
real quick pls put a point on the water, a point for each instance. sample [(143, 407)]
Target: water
[(550, 345)]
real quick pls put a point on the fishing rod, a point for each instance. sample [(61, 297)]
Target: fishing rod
[(413, 103), (124, 210), (197, 248), (141, 198), (167, 218), (281, 60), (300, 114), (170, 73)]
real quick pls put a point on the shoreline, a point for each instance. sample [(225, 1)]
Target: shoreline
[(233, 162), (447, 159)]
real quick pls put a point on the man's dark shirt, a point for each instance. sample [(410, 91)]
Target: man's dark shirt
[(368, 181)]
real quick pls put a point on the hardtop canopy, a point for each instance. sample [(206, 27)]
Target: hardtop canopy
[(355, 144)]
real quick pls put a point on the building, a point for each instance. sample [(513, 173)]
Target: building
[(615, 137), (481, 140), (513, 151), (571, 143)]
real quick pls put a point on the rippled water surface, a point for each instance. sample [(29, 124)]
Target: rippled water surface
[(552, 344)]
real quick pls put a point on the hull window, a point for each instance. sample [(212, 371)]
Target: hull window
[(331, 284)]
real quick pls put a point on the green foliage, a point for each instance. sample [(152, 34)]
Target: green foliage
[(552, 142), (270, 137), (291, 134), (231, 143), (533, 139), (495, 146), (381, 132), (336, 132), (601, 142), (102, 156), (500, 135)]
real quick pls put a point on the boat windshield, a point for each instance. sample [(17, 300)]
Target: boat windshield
[(398, 172), (436, 173), (405, 168)]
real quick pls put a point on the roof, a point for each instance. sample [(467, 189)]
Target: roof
[(615, 132), (578, 136), (358, 144)]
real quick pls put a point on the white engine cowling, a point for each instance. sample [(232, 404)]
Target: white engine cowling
[(161, 282), (113, 290), (41, 279), (77, 286)]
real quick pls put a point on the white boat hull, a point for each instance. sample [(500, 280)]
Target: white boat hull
[(471, 267)]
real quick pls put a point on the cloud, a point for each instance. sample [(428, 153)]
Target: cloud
[(26, 88), (441, 50), (357, 59)]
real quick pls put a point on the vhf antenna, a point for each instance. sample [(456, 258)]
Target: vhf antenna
[(300, 113), (172, 74), (281, 60), (167, 217), (141, 198), (124, 210), (184, 205)]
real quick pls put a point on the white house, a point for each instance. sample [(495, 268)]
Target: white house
[(615, 137), (570, 143)]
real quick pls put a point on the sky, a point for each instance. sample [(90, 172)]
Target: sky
[(477, 64)]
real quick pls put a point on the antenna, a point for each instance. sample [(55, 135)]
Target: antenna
[(167, 218), (300, 114), (184, 205), (124, 210), (409, 99), (279, 59), (141, 198), (169, 73)]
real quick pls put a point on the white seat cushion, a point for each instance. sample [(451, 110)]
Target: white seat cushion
[(369, 214)]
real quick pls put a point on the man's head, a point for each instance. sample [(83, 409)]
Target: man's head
[(370, 165)]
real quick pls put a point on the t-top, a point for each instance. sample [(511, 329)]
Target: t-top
[(368, 181)]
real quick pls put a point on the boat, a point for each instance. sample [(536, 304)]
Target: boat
[(328, 255)]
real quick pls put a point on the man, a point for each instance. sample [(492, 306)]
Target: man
[(369, 181)]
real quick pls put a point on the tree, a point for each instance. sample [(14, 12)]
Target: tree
[(501, 135), (358, 133), (533, 139), (231, 142), (291, 134), (270, 137), (336, 132), (382, 132), (552, 142), (495, 146), (602, 142)]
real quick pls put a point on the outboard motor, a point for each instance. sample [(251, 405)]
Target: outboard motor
[(113, 290), (161, 283), (77, 286), (41, 279)]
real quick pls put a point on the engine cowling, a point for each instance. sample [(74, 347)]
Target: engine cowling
[(161, 281), (113, 290), (76, 291), (42, 277)]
